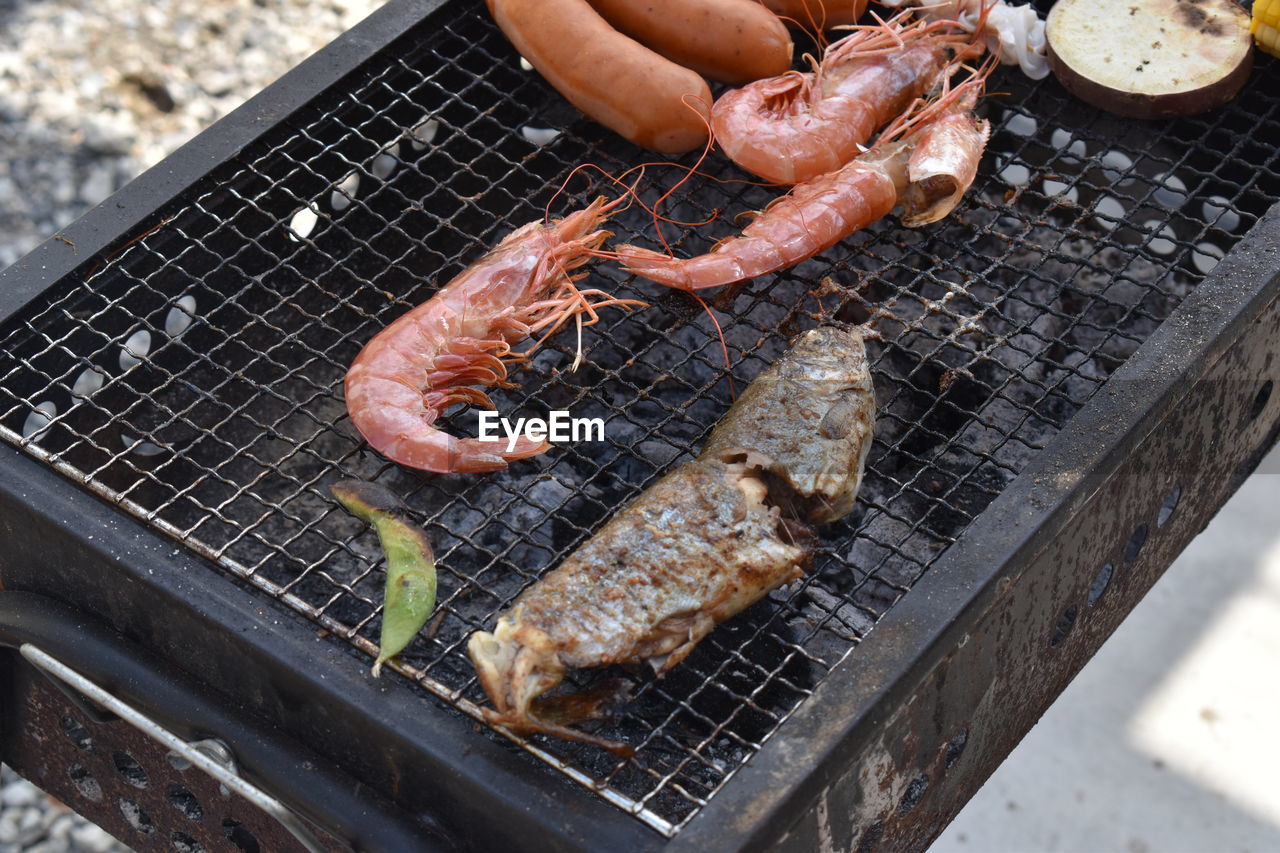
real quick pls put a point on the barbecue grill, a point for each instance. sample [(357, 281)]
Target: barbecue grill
[(1074, 371)]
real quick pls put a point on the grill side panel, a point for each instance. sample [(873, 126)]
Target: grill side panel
[(272, 665), (951, 682), (999, 324), (123, 781)]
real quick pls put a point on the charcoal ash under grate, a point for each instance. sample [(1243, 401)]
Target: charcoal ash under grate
[(998, 325)]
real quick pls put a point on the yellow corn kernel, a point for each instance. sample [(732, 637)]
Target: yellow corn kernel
[(1266, 25)]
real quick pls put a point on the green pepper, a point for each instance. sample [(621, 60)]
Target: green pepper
[(411, 567)]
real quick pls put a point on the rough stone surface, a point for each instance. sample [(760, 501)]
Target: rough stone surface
[(33, 822), (92, 93)]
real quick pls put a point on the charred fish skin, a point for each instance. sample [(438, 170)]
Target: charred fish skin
[(694, 549), (812, 414)]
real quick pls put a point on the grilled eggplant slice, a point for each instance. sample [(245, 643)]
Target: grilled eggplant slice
[(1150, 58)]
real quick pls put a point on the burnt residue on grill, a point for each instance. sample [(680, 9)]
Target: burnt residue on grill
[(224, 425)]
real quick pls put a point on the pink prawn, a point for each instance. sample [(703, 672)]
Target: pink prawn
[(426, 360), (924, 162), (797, 126)]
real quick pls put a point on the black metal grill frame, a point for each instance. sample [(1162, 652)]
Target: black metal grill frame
[(931, 319)]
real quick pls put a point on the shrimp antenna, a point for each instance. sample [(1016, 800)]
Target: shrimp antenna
[(984, 12), (628, 191), (703, 115), (724, 347), (632, 190), (887, 37), (815, 26)]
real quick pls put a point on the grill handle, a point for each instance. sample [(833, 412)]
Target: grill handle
[(176, 704), (210, 755)]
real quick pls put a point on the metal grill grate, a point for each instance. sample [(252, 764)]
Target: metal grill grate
[(194, 377)]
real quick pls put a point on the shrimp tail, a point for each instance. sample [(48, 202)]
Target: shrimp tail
[(656, 266), (424, 447)]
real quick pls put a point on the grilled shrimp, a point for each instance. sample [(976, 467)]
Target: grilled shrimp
[(705, 542), (797, 126), (426, 360), (927, 172)]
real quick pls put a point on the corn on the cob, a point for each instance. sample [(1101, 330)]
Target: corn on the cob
[(1266, 25)]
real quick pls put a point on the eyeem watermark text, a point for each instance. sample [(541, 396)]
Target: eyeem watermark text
[(558, 427)]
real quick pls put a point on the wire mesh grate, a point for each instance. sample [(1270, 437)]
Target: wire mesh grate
[(194, 376)]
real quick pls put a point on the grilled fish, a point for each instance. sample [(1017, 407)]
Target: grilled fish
[(694, 549), (701, 545), (811, 414)]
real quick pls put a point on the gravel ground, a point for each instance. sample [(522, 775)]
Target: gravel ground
[(32, 822), (91, 94)]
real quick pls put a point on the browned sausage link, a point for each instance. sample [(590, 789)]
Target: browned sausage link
[(823, 13), (620, 83), (733, 41)]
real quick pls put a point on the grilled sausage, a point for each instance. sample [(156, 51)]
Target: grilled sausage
[(620, 83), (823, 13), (733, 41)]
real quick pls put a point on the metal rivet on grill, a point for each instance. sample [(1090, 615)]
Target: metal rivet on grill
[(1101, 581), (340, 198), (1115, 165), (1169, 504), (180, 316), (539, 135), (40, 417), (1110, 212), (77, 733), (89, 381), (238, 835), (1170, 191), (85, 783), (1013, 173), (185, 802), (184, 843), (1162, 243), (1052, 188), (423, 133), (1217, 210), (1023, 125), (1069, 149), (129, 769), (1066, 622), (384, 165), (1206, 257), (1135, 543), (303, 222), (135, 349), (136, 817)]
